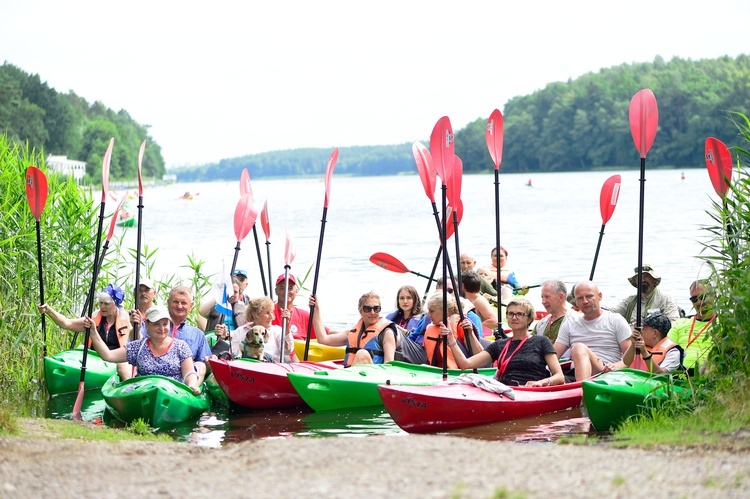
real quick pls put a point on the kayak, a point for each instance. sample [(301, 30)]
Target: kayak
[(424, 409), (357, 386), (217, 394), (62, 371), (158, 400), (613, 397), (262, 385), (127, 222), (318, 352)]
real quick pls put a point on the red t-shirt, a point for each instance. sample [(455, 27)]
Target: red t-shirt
[(299, 321)]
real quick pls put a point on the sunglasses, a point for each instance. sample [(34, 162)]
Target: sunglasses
[(694, 299), (516, 315), (368, 308)]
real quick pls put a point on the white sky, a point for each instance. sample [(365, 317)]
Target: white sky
[(218, 79)]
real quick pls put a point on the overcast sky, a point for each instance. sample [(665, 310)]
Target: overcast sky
[(218, 79)]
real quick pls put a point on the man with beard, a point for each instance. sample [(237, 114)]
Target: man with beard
[(652, 299)]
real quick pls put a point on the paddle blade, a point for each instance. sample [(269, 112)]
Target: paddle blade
[(494, 137), (451, 227), (425, 168), (388, 262), (140, 164), (644, 120), (264, 222), (245, 215), (36, 190), (608, 197), (454, 187), (442, 148), (329, 172), (115, 215), (245, 187), (105, 169), (290, 251), (719, 165)]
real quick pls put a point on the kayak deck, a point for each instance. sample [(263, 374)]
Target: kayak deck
[(62, 371)]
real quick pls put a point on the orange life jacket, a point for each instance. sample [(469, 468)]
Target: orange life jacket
[(359, 337), (122, 325), (433, 342), (659, 351)]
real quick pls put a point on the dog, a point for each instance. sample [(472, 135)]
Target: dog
[(254, 343)]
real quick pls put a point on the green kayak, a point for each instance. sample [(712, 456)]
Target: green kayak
[(62, 372), (357, 386), (158, 400), (613, 397)]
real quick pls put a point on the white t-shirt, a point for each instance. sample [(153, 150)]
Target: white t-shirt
[(602, 335)]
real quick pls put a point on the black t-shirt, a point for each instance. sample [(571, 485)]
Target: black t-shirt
[(528, 364)]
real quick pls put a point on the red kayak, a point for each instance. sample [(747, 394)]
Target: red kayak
[(262, 385), (424, 409)]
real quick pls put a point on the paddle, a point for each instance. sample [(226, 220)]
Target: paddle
[(329, 173), (607, 203), (137, 327), (245, 215), (95, 273), (36, 195), (289, 253), (427, 175), (266, 225), (494, 137), (246, 189), (719, 165), (454, 200), (388, 262), (644, 119)]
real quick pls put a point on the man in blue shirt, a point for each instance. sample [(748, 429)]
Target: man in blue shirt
[(179, 304)]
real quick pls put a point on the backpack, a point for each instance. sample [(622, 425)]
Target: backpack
[(409, 350)]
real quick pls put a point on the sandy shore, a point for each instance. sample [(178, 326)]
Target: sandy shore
[(387, 466)]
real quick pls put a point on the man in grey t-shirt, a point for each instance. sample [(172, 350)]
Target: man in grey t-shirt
[(597, 339)]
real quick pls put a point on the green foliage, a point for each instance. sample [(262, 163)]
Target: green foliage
[(8, 422), (32, 112), (138, 427)]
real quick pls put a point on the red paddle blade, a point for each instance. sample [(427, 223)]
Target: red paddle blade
[(264, 222), (719, 164), (113, 221), (329, 172), (494, 136), (140, 164), (451, 227), (644, 120), (388, 262), (290, 251), (425, 168), (442, 148), (36, 190), (245, 187), (454, 187), (105, 169), (245, 215), (608, 197)]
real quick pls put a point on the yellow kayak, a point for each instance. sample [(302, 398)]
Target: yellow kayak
[(318, 352)]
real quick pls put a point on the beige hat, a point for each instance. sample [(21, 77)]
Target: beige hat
[(156, 313), (647, 269)]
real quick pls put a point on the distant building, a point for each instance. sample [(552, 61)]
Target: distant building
[(62, 164), (169, 178)]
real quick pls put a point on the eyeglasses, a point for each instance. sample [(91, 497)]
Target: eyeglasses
[(368, 308), (516, 315)]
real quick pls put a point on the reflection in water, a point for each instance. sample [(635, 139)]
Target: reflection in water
[(221, 424)]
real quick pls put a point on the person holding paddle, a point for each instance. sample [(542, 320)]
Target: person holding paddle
[(651, 298), (298, 318), (111, 322), (146, 295)]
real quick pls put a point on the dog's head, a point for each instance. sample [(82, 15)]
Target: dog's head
[(256, 337)]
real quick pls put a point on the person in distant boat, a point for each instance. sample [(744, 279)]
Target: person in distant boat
[(652, 298), (408, 312), (553, 293), (158, 353), (597, 339), (260, 312), (146, 295), (471, 282), (467, 307), (111, 323), (300, 319), (651, 350), (693, 332), (468, 262), (179, 305), (372, 340), (522, 359), (241, 277), (213, 317)]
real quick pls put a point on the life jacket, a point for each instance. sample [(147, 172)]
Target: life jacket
[(122, 326), (433, 342), (659, 351), (360, 338)]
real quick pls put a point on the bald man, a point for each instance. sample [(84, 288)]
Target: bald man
[(468, 263)]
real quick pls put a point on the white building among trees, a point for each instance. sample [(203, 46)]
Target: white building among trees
[(67, 166)]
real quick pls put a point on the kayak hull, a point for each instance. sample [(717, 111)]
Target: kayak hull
[(357, 386), (318, 352), (261, 385), (128, 222), (158, 400), (426, 409), (613, 397), (62, 371)]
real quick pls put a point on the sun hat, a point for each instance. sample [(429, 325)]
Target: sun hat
[(658, 321), (280, 279), (572, 295), (156, 313), (647, 269)]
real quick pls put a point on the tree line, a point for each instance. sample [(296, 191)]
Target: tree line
[(67, 125)]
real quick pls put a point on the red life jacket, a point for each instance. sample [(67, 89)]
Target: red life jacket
[(659, 351), (122, 325), (433, 342)]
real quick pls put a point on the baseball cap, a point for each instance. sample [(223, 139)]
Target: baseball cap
[(280, 279), (156, 313), (240, 272), (146, 282)]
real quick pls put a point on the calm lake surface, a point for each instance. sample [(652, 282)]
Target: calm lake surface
[(550, 231)]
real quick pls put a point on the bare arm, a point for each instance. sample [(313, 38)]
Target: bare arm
[(483, 308), (117, 355), (480, 359), (62, 321), (468, 328), (189, 376), (206, 306), (560, 349), (557, 377)]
